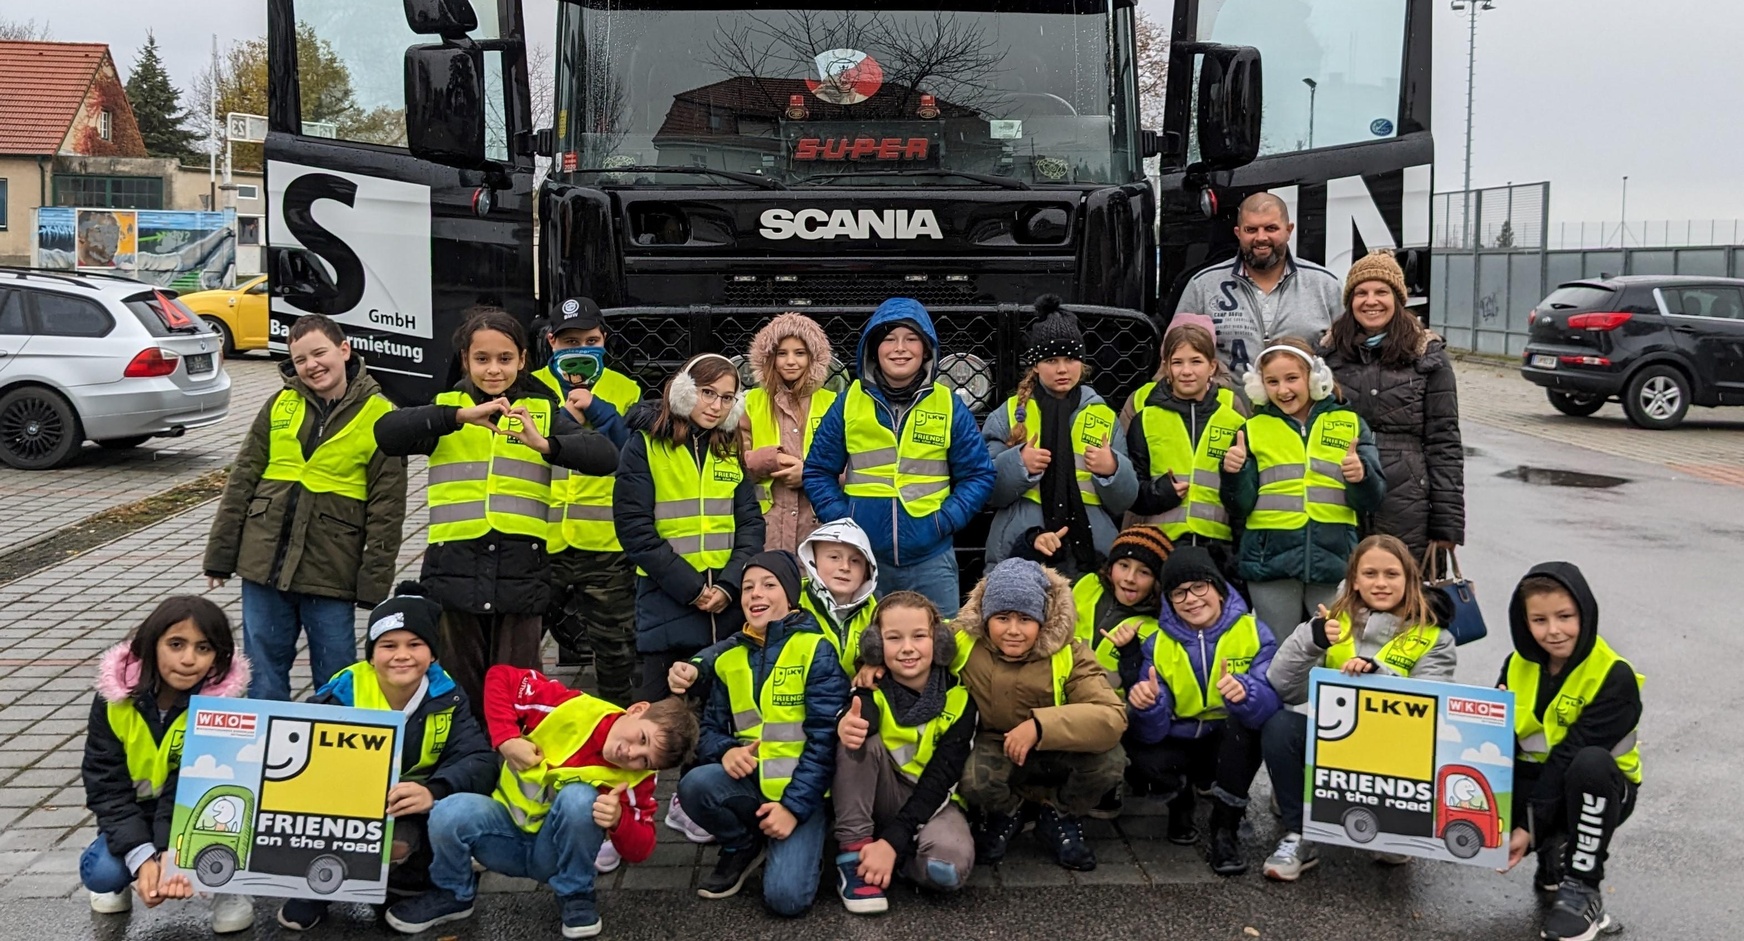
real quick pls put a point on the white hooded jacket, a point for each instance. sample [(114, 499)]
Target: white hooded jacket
[(844, 531)]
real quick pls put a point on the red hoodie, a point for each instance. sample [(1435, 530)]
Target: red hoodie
[(517, 700)]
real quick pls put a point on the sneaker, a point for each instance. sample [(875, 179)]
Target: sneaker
[(858, 896), (232, 913), (608, 859), (112, 903), (1578, 915), (993, 836), (677, 819), (732, 866), (1549, 875), (1391, 859), (1110, 806), (1063, 839), (301, 914), (1292, 856), (435, 907), (580, 916)]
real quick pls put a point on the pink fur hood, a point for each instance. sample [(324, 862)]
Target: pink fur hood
[(118, 673), (762, 353)]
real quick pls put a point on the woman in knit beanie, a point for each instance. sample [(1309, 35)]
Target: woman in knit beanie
[(1396, 374)]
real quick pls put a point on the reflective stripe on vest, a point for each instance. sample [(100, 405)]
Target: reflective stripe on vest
[(1171, 450), (1089, 427), (760, 412), (775, 716), (1300, 477), (366, 693), (1538, 735), (919, 471), (482, 482), (340, 463), (911, 748), (847, 640), (148, 760), (581, 504), (1401, 653), (1087, 593), (528, 794), (1237, 647), (693, 507)]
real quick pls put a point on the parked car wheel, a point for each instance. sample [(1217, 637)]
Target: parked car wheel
[(225, 339), (123, 444), (1658, 397), (38, 429), (1569, 403)]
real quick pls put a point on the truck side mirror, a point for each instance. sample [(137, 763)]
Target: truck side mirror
[(445, 95), (1150, 143), (449, 19), (1230, 104)]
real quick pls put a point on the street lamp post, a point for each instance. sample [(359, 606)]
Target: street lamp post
[(1313, 87), (1623, 216), (1473, 8)]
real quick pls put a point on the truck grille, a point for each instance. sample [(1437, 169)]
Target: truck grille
[(841, 290)]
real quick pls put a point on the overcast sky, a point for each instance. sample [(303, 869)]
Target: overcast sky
[(1578, 92)]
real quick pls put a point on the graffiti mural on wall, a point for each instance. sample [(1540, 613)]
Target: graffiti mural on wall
[(188, 251)]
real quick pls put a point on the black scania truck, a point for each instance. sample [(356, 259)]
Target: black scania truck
[(714, 164)]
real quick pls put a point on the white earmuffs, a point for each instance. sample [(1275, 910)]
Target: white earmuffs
[(1319, 375), (682, 395)]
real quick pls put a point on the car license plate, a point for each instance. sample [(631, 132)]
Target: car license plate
[(199, 364), (1541, 361)]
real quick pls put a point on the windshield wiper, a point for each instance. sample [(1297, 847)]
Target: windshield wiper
[(1004, 181), (751, 179)]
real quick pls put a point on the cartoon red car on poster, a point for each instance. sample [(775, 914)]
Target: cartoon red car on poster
[(1466, 819)]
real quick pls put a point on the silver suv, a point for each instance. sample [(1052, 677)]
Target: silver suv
[(100, 358)]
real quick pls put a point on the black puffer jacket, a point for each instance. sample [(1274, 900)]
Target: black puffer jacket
[(1414, 414)]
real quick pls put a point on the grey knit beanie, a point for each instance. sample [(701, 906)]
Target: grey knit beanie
[(1016, 585)]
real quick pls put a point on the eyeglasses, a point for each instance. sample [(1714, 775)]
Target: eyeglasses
[(1196, 589), (711, 397)]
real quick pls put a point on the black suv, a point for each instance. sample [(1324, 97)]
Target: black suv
[(1659, 344)]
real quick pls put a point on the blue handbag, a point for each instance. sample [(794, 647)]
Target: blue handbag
[(1454, 598)]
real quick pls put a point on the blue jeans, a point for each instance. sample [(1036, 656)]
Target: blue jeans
[(468, 826), (728, 809), (1284, 742), (271, 621), (101, 870), (935, 578)]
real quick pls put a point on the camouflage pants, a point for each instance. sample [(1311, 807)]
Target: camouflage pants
[(1073, 782), (593, 605)]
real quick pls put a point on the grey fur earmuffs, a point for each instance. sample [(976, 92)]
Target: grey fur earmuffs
[(682, 395), (944, 645), (1319, 375)]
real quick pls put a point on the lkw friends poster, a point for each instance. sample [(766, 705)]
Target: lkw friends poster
[(1407, 766), (286, 799)]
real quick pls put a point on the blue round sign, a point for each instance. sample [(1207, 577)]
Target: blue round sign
[(1381, 127)]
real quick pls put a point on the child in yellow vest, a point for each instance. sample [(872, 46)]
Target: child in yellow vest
[(841, 576), (791, 360), (1577, 767)]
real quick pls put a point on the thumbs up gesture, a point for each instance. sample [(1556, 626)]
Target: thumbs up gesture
[(1352, 465), (1229, 687), (1099, 458), (853, 728), (1035, 458), (1181, 486), (1143, 694), (1049, 543), (741, 761), (608, 807), (1236, 456), (1334, 627)]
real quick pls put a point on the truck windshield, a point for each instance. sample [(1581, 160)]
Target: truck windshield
[(812, 96)]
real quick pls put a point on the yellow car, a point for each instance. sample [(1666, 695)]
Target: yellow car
[(238, 315)]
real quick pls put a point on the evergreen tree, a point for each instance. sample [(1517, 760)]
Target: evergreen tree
[(1505, 238), (157, 105)]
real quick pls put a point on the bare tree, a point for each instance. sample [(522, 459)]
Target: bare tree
[(1151, 42), (25, 31)]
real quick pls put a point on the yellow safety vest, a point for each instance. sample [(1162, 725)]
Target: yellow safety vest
[(1536, 734), (693, 507), (1089, 426), (528, 794), (775, 718), (1237, 647), (760, 412), (1401, 653), (340, 463), (1300, 476), (1171, 449), (1087, 593), (148, 760), (483, 482), (912, 748), (366, 693), (918, 471), (847, 641), (581, 504)]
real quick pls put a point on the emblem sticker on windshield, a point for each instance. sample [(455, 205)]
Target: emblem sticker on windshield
[(846, 76)]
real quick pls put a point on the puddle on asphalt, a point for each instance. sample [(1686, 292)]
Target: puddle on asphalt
[(1556, 477)]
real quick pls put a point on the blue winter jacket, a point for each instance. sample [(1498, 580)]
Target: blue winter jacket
[(1159, 721), (826, 696), (898, 538)]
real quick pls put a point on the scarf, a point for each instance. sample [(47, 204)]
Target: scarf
[(1062, 504), (911, 709)]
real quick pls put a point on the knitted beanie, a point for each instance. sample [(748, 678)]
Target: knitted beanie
[(1190, 564), (1145, 544), (407, 610), (1197, 320), (1378, 265), (1056, 334), (1016, 585), (784, 566)]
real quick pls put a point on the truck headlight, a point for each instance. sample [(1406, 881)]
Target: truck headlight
[(969, 376)]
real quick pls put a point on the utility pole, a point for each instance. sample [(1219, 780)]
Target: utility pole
[(1623, 216), (1472, 8), (212, 129)]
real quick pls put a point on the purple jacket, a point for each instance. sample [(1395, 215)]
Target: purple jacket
[(1159, 721)]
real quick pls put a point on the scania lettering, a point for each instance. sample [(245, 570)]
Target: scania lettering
[(846, 223)]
